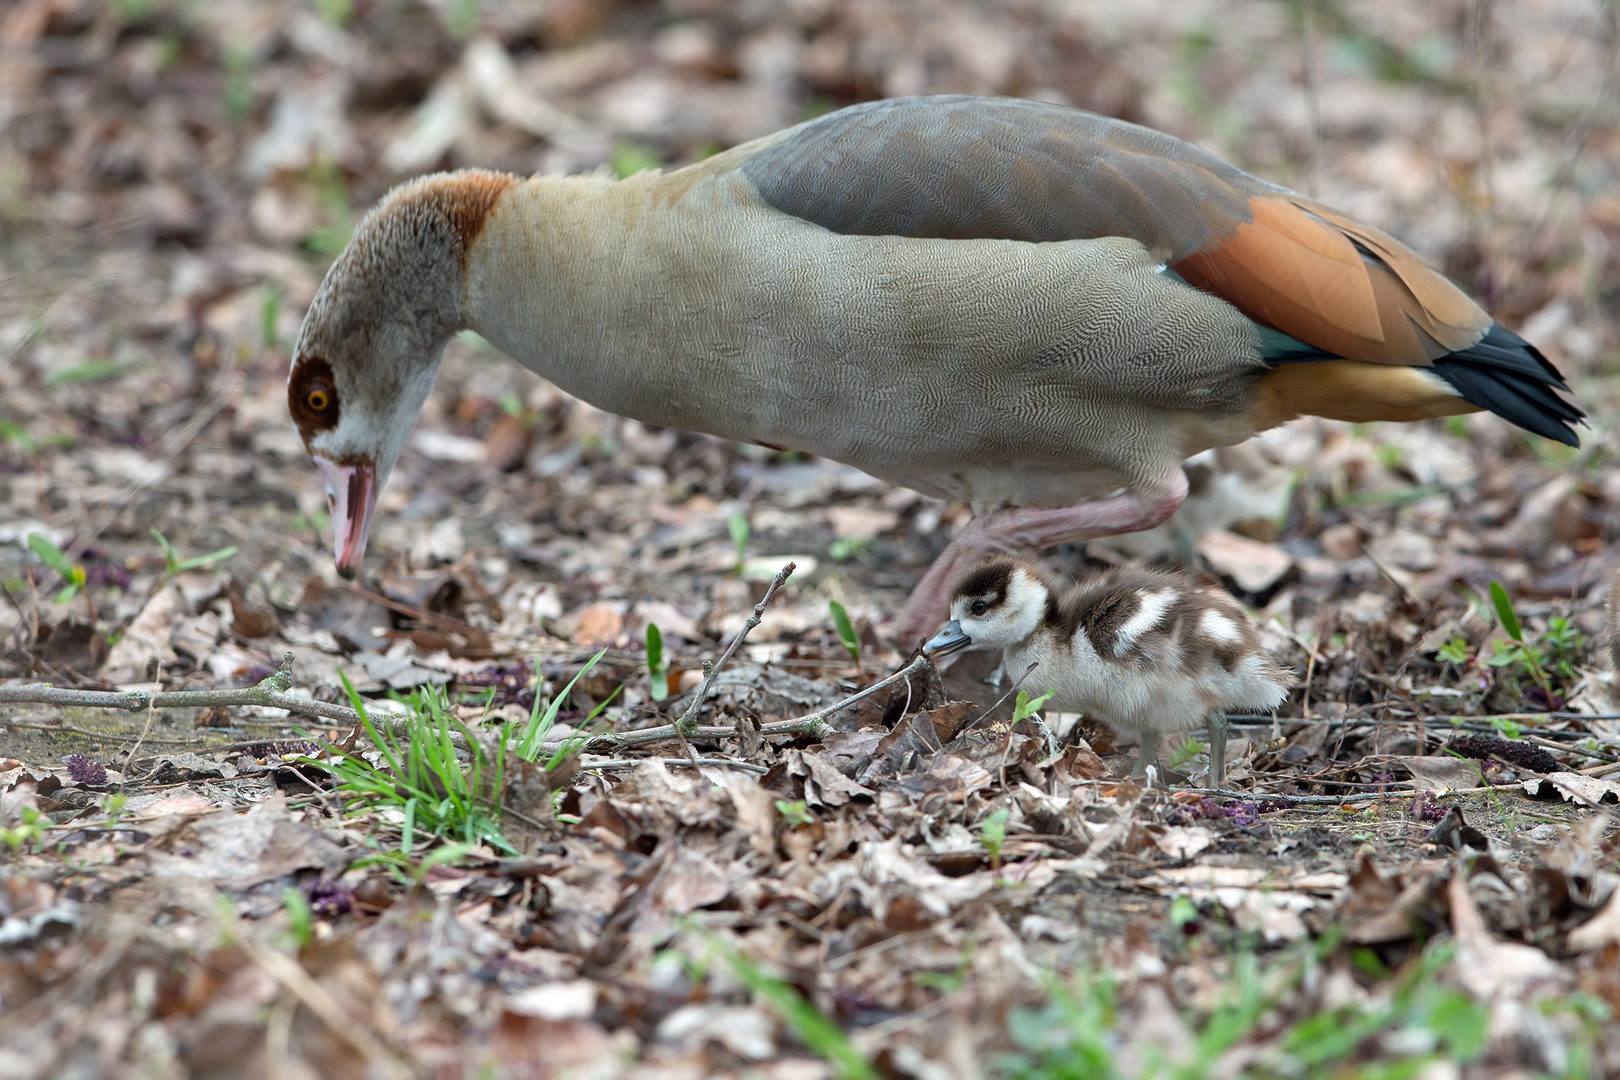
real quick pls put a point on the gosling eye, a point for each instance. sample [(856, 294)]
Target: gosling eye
[(318, 400), (979, 607)]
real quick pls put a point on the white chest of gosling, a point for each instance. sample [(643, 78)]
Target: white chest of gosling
[(1149, 651)]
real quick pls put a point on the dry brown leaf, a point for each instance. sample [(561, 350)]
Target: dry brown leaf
[(1252, 565), (1573, 787)]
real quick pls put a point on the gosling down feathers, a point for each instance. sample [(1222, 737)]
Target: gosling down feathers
[(1142, 650), (1031, 308)]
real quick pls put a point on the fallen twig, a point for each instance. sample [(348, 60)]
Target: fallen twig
[(689, 717), (1328, 800), (630, 763), (270, 693), (809, 724)]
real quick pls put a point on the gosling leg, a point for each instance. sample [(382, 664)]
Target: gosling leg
[(1148, 755), (1217, 749)]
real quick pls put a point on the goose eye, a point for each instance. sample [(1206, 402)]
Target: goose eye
[(318, 400), (979, 607)]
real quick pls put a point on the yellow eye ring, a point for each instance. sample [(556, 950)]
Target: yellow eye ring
[(318, 400)]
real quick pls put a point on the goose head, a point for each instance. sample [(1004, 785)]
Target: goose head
[(369, 349), (996, 606)]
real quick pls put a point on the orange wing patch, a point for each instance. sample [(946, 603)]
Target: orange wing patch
[(1297, 267)]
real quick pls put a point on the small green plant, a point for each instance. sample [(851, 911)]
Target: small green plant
[(627, 159), (1024, 707), (411, 871), (27, 833), (113, 807), (846, 548), (541, 721), (993, 835), (237, 100), (1560, 646), (846, 634), (336, 12), (71, 572), (1506, 727), (129, 12), (422, 776), (15, 437), (1076, 1034), (331, 185), (949, 982), (170, 47), (737, 525), (175, 563), (1182, 911), (436, 788), (300, 919), (91, 371), (657, 663), (1182, 754), (269, 316), (460, 17), (796, 812), (1455, 651), (824, 1037), (1072, 1037), (1554, 653)]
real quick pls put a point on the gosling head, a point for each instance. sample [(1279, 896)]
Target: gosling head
[(994, 607), (368, 352)]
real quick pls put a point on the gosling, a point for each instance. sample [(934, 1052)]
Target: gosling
[(1150, 651)]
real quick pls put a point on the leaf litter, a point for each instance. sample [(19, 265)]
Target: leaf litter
[(1418, 863)]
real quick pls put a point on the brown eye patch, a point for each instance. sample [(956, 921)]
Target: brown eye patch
[(312, 396)]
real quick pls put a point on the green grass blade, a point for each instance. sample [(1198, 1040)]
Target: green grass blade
[(657, 667), (812, 1027), (846, 630), (198, 561), (1505, 612), (50, 555), (407, 831), (535, 733)]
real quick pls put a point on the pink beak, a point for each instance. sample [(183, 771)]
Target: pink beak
[(351, 495)]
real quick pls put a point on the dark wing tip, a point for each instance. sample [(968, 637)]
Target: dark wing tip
[(1508, 376)]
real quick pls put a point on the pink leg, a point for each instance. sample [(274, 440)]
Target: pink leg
[(1024, 531)]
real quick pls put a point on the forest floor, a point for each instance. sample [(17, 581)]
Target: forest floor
[(1415, 873)]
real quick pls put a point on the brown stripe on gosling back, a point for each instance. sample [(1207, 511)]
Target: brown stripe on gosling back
[(1102, 605)]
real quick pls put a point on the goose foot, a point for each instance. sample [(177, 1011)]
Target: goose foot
[(1023, 531)]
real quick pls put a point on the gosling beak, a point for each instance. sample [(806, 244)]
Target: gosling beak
[(948, 640), (351, 496)]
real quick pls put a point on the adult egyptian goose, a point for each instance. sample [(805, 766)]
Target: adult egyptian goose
[(1150, 651), (1028, 307)]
